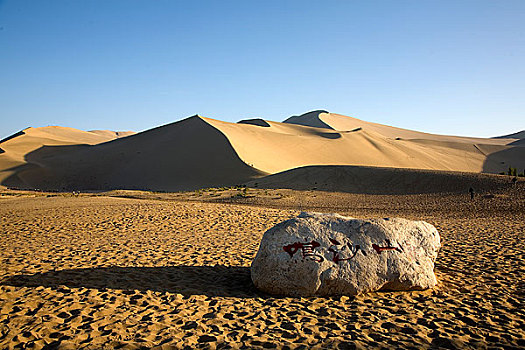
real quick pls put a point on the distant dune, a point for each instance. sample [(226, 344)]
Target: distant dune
[(203, 152), (14, 158), (321, 138)]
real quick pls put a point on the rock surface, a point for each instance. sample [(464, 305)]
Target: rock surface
[(329, 254)]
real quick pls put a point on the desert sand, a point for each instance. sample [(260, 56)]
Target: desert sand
[(155, 249), (202, 152), (138, 269)]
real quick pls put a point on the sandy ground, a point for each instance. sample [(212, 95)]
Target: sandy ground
[(172, 271)]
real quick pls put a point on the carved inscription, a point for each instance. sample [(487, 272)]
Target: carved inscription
[(340, 252), (337, 251), (307, 250), (388, 247)]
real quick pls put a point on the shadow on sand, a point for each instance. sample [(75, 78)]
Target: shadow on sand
[(216, 280), (511, 157), (379, 180)]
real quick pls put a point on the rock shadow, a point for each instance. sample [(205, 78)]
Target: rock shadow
[(219, 280)]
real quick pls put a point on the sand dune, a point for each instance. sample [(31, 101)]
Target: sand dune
[(374, 180), (341, 122), (181, 155), (201, 152), (16, 147), (30, 139), (320, 138)]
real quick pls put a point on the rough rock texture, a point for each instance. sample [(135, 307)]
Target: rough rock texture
[(329, 254)]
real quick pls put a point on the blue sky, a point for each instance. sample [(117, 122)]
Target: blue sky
[(450, 67)]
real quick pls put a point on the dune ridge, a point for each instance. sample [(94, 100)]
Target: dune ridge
[(517, 135)]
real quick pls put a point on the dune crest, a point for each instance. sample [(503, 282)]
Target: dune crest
[(517, 135)]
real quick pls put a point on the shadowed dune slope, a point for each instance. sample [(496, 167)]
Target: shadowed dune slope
[(183, 155), (258, 122), (312, 119), (517, 135), (520, 142), (372, 180)]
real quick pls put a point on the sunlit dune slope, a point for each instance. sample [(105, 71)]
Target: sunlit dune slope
[(112, 134), (343, 123), (320, 138)]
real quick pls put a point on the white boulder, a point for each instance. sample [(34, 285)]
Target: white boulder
[(329, 254)]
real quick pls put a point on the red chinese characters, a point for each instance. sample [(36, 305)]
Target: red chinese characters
[(388, 247), (339, 251), (307, 250)]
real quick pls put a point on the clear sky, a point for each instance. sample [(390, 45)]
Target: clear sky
[(450, 67)]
